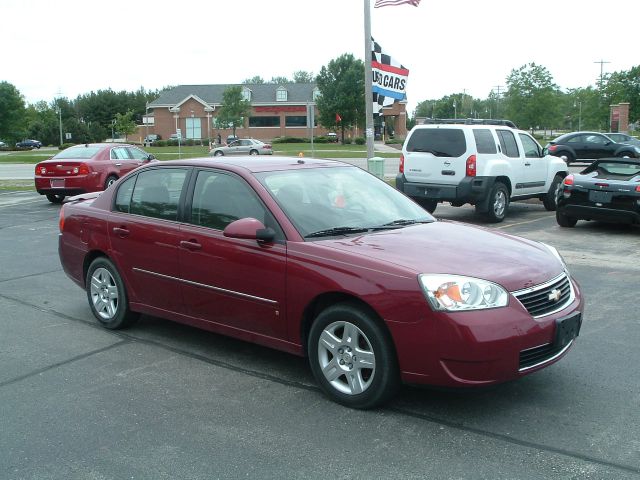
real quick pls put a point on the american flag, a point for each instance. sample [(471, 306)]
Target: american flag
[(391, 3)]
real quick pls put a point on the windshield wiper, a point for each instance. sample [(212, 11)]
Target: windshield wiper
[(404, 221), (436, 153), (337, 231)]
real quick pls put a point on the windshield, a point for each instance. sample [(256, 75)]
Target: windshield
[(77, 152), (323, 202)]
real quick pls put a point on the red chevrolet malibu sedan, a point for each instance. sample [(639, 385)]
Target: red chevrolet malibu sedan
[(86, 168), (322, 259)]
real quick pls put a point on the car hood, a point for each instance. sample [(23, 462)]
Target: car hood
[(456, 248)]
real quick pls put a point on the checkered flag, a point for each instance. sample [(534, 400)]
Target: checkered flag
[(389, 79)]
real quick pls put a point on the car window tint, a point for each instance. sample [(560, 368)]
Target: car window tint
[(219, 199), (441, 142), (576, 139), (119, 153), (137, 154), (485, 142), (596, 139), (77, 152), (531, 148), (123, 196), (157, 193), (508, 143)]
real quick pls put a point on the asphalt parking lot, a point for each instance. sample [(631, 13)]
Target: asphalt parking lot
[(166, 401)]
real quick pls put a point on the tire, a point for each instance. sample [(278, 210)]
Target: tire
[(107, 295), (429, 205), (111, 179), (253, 152), (352, 357), (218, 154), (498, 203), (565, 220), (55, 197), (567, 157), (550, 200), (626, 154)]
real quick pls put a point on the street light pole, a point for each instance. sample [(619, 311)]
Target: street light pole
[(60, 119)]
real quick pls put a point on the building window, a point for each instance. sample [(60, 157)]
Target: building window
[(295, 121), (264, 121), (194, 128), (281, 95), (316, 94), (246, 94)]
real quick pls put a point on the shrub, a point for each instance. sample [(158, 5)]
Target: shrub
[(64, 146), (360, 141), (321, 139), (290, 140), (160, 143)]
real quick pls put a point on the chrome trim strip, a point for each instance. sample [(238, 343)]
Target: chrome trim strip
[(210, 287), (546, 360), (542, 286)]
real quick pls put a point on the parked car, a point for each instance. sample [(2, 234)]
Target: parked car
[(332, 137), (244, 146), (86, 168), (151, 139), (576, 146), (321, 259), (3, 145), (487, 163), (28, 143), (608, 190), (231, 138), (623, 138)]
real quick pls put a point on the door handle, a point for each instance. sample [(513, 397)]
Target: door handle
[(118, 164), (190, 245), (121, 232), (527, 164)]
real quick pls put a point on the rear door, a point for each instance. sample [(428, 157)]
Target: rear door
[(436, 155)]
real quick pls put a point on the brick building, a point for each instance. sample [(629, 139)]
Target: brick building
[(277, 111)]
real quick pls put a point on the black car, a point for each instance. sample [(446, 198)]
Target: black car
[(588, 146), (608, 190), (29, 144)]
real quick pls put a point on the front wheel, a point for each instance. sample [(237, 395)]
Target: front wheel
[(567, 157), (253, 152), (55, 197), (550, 200), (498, 203), (107, 295), (352, 357), (218, 154)]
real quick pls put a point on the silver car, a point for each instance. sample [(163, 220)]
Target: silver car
[(243, 146)]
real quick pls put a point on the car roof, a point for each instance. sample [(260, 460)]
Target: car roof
[(255, 164)]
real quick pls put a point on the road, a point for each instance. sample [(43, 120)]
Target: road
[(166, 401)]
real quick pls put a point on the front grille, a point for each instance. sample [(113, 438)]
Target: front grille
[(547, 298), (539, 355)]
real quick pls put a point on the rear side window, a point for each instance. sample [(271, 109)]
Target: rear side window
[(508, 143), (485, 142), (441, 142), (157, 193)]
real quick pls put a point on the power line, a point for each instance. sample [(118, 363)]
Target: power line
[(601, 62)]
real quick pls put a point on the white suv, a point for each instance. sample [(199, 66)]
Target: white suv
[(486, 163)]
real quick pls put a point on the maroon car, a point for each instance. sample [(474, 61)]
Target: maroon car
[(86, 168), (322, 259)]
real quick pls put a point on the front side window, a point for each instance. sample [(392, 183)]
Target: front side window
[(137, 154), (531, 147), (508, 143), (157, 193), (220, 198), (597, 139)]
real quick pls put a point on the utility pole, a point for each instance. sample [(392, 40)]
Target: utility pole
[(59, 93), (498, 87), (601, 62), (368, 88)]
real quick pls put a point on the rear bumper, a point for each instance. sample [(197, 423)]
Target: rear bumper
[(611, 215), (472, 190), (72, 185)]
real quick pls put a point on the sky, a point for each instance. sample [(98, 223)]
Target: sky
[(69, 48)]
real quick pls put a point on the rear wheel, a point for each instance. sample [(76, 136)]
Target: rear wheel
[(111, 179), (550, 200), (107, 295), (428, 205), (498, 203), (565, 220), (218, 154), (55, 197), (352, 357)]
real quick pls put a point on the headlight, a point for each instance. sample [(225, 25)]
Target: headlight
[(637, 149), (556, 254), (454, 293)]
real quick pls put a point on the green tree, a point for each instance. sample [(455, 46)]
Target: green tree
[(341, 85), (302, 77), (279, 80), (257, 79), (125, 123), (12, 109), (234, 109), (532, 99), (624, 87)]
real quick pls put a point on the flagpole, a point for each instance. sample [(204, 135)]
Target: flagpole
[(368, 92)]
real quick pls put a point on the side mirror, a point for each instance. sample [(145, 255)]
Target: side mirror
[(250, 229)]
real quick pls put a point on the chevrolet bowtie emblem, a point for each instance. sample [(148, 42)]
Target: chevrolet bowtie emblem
[(555, 295)]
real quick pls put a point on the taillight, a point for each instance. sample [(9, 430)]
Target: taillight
[(638, 188), (267, 146), (401, 166), (568, 180), (471, 166), (41, 170), (81, 169), (553, 148), (61, 219)]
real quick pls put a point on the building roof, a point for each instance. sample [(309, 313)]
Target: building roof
[(212, 94)]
